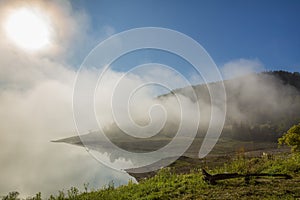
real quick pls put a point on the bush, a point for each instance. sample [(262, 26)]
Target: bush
[(291, 138)]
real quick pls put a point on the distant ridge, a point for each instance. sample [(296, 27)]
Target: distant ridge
[(260, 108)]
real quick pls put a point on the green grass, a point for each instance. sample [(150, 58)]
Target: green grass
[(168, 185)]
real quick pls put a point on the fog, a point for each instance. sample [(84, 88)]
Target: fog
[(261, 105), (262, 98), (36, 107)]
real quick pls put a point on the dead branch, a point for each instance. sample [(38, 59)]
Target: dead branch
[(213, 178)]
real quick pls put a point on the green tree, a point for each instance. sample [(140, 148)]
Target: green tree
[(291, 138)]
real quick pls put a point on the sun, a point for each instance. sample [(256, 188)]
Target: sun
[(28, 29)]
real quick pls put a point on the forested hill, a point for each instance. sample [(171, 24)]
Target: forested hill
[(287, 78), (260, 106)]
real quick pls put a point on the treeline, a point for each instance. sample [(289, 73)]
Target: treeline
[(287, 78), (258, 132), (260, 107)]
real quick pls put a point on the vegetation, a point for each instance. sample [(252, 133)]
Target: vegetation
[(169, 185), (291, 138)]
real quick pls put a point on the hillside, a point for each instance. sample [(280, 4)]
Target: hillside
[(260, 108), (169, 185)]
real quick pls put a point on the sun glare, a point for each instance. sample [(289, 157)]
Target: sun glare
[(27, 29)]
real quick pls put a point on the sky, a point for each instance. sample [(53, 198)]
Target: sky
[(267, 31), (44, 43)]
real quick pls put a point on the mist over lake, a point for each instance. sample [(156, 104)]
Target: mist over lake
[(97, 95)]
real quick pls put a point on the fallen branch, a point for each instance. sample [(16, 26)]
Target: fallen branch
[(213, 178)]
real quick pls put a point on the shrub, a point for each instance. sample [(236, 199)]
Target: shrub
[(291, 138)]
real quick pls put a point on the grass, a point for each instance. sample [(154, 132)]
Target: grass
[(169, 185)]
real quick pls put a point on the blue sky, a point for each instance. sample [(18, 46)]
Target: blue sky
[(267, 31)]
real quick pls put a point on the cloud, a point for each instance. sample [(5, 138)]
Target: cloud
[(36, 107), (240, 67), (68, 27)]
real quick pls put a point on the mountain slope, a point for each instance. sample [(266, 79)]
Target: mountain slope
[(260, 107)]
